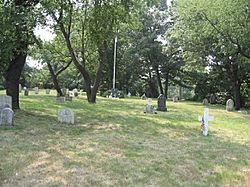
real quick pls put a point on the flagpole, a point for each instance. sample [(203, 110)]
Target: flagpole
[(115, 46)]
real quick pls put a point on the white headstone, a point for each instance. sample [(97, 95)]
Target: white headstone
[(66, 115), (230, 105), (6, 117), (129, 94), (75, 92), (204, 121)]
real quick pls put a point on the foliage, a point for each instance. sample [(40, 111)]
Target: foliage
[(210, 35)]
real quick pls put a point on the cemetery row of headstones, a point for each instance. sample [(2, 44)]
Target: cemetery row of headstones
[(229, 104)]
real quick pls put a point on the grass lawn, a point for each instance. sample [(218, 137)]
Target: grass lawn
[(113, 143)]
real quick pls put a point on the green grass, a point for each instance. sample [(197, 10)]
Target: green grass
[(113, 143)]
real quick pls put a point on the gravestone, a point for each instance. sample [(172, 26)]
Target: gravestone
[(20, 88), (60, 99), (36, 90), (47, 91), (204, 121), (205, 102), (66, 115), (68, 98), (129, 94), (75, 92), (5, 102), (161, 103), (149, 108), (212, 99), (26, 91), (230, 105), (6, 117), (143, 97)]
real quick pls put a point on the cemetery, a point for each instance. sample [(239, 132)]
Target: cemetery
[(125, 93)]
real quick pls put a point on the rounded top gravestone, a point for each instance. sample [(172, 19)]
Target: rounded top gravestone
[(205, 102), (230, 105), (66, 115), (161, 103)]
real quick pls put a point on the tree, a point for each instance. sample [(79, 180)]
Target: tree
[(209, 28), (55, 56), (86, 23), (17, 24)]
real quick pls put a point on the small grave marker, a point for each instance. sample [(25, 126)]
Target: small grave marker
[(6, 117), (60, 99), (68, 98), (230, 105), (149, 108), (66, 115), (205, 102), (26, 91), (204, 121), (5, 102)]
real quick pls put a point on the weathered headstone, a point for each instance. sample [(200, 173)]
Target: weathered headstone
[(230, 105), (6, 117), (149, 108), (144, 97), (67, 92), (20, 88), (26, 91), (204, 121), (161, 103), (68, 98), (205, 102), (47, 91), (36, 90), (5, 102), (66, 115), (212, 99), (60, 99)]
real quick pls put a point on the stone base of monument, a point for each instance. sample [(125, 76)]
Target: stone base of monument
[(149, 110)]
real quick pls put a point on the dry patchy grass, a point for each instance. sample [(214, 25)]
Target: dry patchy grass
[(114, 143)]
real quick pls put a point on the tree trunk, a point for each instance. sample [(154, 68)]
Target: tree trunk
[(12, 78), (236, 87), (236, 82), (54, 78), (103, 58), (166, 85), (159, 79)]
